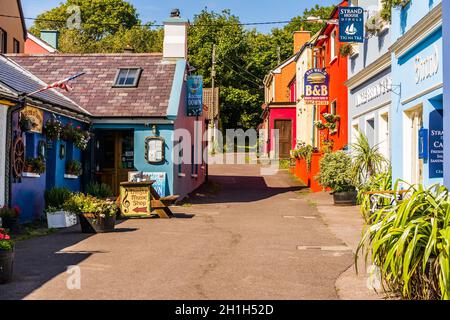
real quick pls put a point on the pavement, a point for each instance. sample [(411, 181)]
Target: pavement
[(257, 238)]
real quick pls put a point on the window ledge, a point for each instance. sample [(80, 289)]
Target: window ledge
[(30, 175), (194, 175), (181, 175)]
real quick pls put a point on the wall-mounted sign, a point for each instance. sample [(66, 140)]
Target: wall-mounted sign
[(194, 96), (351, 24), (154, 150), (426, 67), (135, 199), (381, 88), (436, 144), (36, 116), (316, 87)]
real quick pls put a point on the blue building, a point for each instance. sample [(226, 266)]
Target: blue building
[(370, 82), (138, 109), (446, 41), (21, 144), (417, 92)]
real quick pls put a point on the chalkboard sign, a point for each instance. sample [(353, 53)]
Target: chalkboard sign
[(135, 199), (436, 144)]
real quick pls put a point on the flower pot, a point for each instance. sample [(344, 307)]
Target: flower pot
[(10, 223), (6, 265), (92, 223), (345, 198), (26, 125), (61, 219)]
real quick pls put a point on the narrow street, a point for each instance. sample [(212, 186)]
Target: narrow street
[(257, 238)]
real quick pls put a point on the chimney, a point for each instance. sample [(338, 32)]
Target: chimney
[(175, 37), (51, 37), (300, 38)]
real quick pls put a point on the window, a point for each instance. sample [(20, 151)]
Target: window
[(127, 77), (16, 46), (333, 45), (3, 41)]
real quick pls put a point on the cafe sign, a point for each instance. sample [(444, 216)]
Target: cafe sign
[(316, 87), (135, 199), (194, 96), (436, 144), (36, 116), (351, 24)]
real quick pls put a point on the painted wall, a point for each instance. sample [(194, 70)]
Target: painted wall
[(446, 45), (32, 47), (3, 113), (28, 193), (409, 92)]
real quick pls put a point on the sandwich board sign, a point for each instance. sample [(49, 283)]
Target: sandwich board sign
[(351, 24)]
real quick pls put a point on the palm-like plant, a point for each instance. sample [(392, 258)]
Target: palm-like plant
[(367, 161), (410, 243)]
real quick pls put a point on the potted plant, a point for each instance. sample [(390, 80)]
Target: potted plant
[(81, 138), (54, 208), (35, 165), (96, 216), (10, 217), (26, 123), (53, 128), (6, 257), (336, 174), (68, 132), (346, 50), (99, 190), (74, 168)]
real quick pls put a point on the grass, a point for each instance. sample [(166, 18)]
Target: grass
[(284, 164), (31, 230), (312, 204)]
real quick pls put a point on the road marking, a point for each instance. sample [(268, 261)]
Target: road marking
[(289, 217), (324, 248), (308, 217)]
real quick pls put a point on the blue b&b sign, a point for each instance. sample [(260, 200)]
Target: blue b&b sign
[(351, 24), (194, 96)]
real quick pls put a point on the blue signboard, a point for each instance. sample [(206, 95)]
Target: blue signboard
[(436, 144), (160, 182), (351, 24), (316, 87), (423, 143), (194, 96)]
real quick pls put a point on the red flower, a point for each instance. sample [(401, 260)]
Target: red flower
[(17, 210), (78, 127)]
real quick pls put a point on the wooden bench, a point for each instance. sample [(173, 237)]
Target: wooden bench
[(161, 205)]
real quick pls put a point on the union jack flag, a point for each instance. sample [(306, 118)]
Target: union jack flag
[(63, 84)]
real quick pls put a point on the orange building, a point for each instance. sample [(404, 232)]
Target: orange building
[(13, 31)]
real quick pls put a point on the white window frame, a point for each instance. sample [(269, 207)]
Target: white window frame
[(135, 82)]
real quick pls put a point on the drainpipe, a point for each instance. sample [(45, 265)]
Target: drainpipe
[(9, 136)]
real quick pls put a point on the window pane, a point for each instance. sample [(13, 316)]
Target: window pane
[(127, 77)]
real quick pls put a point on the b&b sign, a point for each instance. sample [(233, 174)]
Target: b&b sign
[(351, 24), (194, 96), (316, 87)]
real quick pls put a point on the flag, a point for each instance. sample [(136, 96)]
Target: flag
[(62, 84)]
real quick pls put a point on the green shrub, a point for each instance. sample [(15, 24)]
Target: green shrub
[(336, 172), (99, 190), (379, 182), (74, 167), (80, 203), (55, 198), (410, 243)]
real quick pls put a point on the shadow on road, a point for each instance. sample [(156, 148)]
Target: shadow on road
[(39, 260)]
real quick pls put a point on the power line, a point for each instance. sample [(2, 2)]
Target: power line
[(242, 76), (242, 68), (161, 25)]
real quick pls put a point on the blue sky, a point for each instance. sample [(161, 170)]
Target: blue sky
[(247, 10)]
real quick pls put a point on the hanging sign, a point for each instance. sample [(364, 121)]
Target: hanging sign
[(351, 24), (316, 87), (194, 96), (436, 145), (423, 143), (35, 117)]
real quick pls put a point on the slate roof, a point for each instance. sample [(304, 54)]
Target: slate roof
[(94, 90), (19, 80)]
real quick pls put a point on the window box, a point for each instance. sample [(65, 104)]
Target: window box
[(71, 176), (30, 175)]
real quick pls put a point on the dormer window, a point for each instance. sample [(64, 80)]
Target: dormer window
[(127, 77)]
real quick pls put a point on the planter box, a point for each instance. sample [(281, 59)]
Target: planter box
[(61, 219), (91, 223), (70, 176), (6, 266)]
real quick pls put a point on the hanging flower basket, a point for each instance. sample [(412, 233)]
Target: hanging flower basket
[(331, 118), (319, 125), (26, 123), (53, 128)]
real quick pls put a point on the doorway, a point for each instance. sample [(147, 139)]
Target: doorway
[(284, 128), (413, 122), (114, 154)]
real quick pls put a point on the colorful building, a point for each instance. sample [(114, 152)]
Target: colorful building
[(370, 82), (417, 92), (26, 188), (13, 32), (279, 110), (138, 108), (35, 45)]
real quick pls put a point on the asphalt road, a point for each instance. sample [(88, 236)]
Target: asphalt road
[(257, 238)]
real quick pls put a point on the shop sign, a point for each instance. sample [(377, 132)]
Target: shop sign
[(351, 24), (426, 67), (436, 145), (135, 199), (36, 116), (316, 87), (381, 88), (194, 96)]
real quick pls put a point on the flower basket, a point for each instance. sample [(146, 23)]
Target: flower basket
[(95, 223), (26, 123), (10, 217), (6, 257), (53, 128), (74, 168)]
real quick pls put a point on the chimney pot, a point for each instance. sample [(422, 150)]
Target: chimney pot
[(175, 13)]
